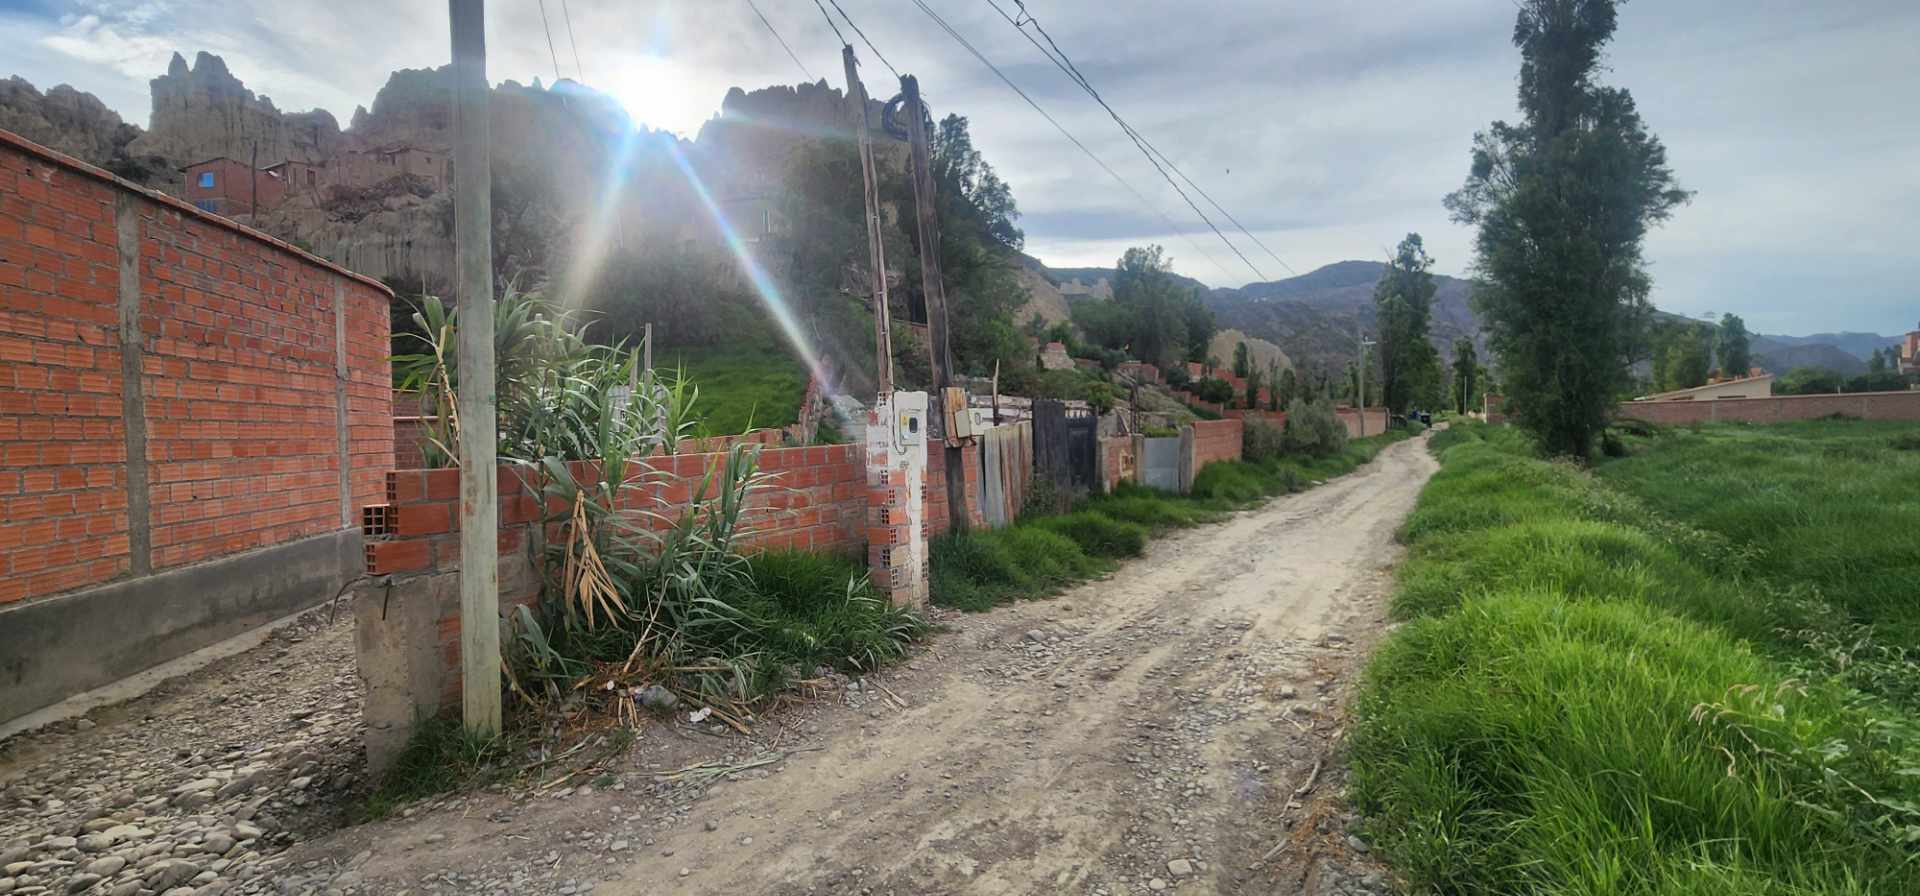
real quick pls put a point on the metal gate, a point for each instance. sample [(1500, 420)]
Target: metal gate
[(1083, 456), (1160, 463), (1064, 453)]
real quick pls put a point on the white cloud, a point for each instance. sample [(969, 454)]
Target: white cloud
[(1330, 129)]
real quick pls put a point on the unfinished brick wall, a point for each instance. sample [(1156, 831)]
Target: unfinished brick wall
[(1119, 461), (1215, 440), (253, 359), (938, 519), (1779, 408), (816, 501)]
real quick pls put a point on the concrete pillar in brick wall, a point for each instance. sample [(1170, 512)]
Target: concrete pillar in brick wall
[(896, 503)]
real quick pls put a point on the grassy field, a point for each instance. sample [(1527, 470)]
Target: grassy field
[(1684, 674), (1042, 554), (741, 388)]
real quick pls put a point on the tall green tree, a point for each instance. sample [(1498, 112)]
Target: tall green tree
[(1685, 356), (1288, 391), (1242, 362), (1562, 201), (1877, 362), (1273, 385), (1403, 307), (1253, 389), (1153, 316), (1466, 362), (978, 239), (1733, 346)]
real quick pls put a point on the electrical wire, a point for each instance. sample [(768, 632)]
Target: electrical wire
[(1073, 71), (830, 24), (863, 37), (549, 30), (1148, 203), (783, 41), (578, 70), (1160, 162)]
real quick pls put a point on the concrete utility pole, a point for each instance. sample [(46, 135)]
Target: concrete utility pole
[(876, 248), (1361, 399), (936, 291), (473, 292)]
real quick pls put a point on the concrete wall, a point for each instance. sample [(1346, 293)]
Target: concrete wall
[(1864, 405), (175, 391)]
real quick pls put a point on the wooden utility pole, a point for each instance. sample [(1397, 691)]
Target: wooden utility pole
[(935, 289), (876, 247), (473, 292)]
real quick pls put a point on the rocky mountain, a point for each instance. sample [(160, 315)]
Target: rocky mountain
[(77, 124), (1779, 354), (204, 111), (1860, 345)]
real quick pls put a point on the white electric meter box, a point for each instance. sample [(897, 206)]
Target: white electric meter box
[(910, 418)]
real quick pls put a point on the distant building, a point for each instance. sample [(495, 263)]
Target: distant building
[(1757, 384), (363, 168), (230, 187), (1909, 360)]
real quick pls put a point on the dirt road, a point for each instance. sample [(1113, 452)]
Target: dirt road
[(1143, 733), (1170, 728)]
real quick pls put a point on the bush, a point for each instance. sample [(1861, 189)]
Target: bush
[(1099, 535), (1177, 377), (1312, 430), (1215, 390), (1260, 440)]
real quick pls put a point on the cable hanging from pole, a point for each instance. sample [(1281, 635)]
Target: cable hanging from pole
[(863, 36), (578, 71), (783, 41), (1144, 201), (1158, 160), (549, 30)]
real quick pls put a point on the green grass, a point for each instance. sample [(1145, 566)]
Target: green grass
[(1041, 554), (741, 387), (1598, 693), (1829, 507), (439, 757)]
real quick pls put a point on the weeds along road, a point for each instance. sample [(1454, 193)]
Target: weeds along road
[(1142, 733)]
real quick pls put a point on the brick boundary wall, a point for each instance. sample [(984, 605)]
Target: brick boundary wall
[(1216, 440), (1119, 461), (1779, 408), (180, 396), (816, 500)]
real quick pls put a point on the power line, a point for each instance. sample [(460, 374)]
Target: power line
[(783, 41), (863, 37), (1074, 72), (1159, 160), (549, 30), (1148, 203), (578, 71), (830, 23)]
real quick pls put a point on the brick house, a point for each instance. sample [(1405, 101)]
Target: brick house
[(1909, 360), (231, 187)]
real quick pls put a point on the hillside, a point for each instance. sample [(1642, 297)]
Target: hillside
[(1779, 356), (1860, 345), (1313, 317)]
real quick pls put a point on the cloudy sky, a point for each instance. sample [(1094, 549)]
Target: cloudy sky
[(1329, 129)]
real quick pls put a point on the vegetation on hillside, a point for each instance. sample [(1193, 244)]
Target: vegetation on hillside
[(1561, 201), (1153, 315), (1666, 679)]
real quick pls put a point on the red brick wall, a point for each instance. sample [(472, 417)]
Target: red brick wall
[(1864, 405), (238, 377), (1119, 464), (1215, 440), (816, 501)]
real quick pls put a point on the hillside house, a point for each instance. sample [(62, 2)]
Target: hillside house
[(1909, 360), (230, 187), (363, 168)]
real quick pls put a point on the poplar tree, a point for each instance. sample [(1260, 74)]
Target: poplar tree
[(1562, 201)]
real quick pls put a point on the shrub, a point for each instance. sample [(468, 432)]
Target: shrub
[(1099, 535), (1260, 440), (1215, 390), (1177, 376), (978, 570), (1312, 430), (1907, 441)]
